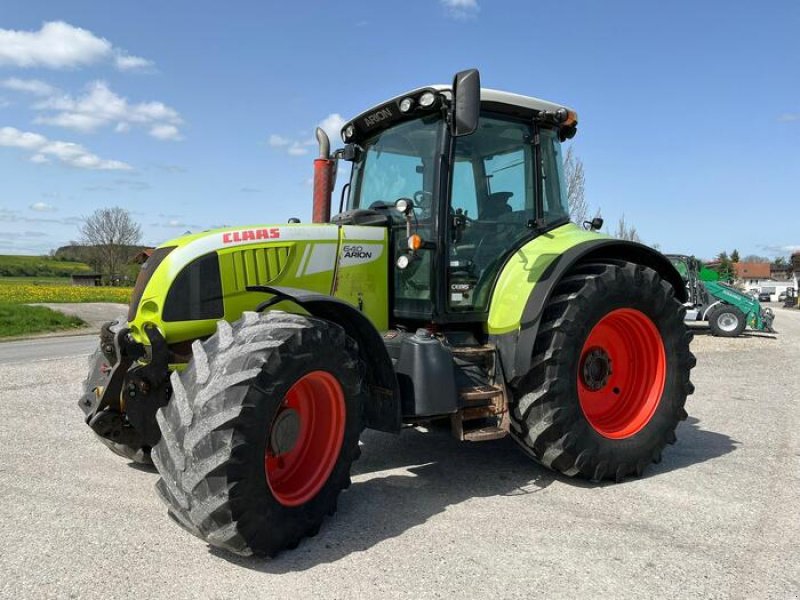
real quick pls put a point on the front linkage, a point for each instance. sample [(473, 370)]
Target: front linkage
[(127, 383)]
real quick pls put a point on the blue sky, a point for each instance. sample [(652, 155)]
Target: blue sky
[(195, 114)]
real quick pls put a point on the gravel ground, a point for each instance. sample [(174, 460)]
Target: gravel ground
[(427, 516)]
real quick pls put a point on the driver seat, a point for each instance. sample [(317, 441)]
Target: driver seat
[(496, 205)]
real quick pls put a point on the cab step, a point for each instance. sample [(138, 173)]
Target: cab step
[(484, 415)]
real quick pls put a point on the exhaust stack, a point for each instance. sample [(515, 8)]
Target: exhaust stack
[(324, 179)]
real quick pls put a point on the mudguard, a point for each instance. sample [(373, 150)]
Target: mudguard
[(383, 413), (516, 347)]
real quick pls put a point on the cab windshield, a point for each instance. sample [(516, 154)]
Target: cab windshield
[(400, 162)]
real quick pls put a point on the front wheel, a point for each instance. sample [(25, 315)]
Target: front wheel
[(725, 320), (609, 376), (258, 438)]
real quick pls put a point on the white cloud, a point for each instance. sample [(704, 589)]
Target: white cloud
[(461, 9), (277, 141), (126, 62), (166, 132), (39, 159), (29, 86), (42, 207), (332, 125), (297, 149), (59, 45), (789, 117), (99, 107), (71, 154)]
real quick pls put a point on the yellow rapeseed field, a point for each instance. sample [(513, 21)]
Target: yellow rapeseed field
[(24, 293)]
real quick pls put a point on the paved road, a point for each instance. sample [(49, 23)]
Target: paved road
[(47, 349), (426, 516)]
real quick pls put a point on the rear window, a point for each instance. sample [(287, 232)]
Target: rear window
[(145, 273)]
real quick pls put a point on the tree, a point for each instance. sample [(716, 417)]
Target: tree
[(735, 256), (781, 263), (626, 232), (726, 272), (754, 258), (109, 234), (576, 183)]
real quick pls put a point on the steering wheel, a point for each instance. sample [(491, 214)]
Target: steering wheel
[(423, 200)]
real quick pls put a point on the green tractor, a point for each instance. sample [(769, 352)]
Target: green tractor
[(451, 287), (727, 310)]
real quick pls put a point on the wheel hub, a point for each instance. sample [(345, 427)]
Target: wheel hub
[(596, 369), (285, 431), (728, 321)]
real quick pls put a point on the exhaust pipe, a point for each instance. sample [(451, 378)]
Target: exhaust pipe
[(324, 179)]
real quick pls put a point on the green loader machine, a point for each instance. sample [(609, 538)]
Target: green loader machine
[(727, 310), (451, 286)]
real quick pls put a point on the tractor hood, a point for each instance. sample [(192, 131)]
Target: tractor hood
[(192, 281)]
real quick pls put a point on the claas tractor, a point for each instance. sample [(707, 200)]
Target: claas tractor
[(450, 287)]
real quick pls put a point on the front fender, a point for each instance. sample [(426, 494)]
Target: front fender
[(383, 412)]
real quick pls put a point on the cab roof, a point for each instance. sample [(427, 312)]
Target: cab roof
[(515, 103)]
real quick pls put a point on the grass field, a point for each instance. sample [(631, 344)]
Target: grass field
[(16, 319), (38, 266), (36, 280), (24, 291), (30, 279)]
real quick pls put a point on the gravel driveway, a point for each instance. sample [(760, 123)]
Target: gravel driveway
[(427, 516)]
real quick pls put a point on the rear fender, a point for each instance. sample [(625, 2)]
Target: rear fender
[(383, 412), (516, 347)]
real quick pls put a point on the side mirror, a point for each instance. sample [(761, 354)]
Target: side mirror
[(466, 102), (594, 225)]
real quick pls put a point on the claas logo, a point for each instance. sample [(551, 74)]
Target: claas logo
[(248, 235)]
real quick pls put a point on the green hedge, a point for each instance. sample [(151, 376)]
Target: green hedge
[(39, 266)]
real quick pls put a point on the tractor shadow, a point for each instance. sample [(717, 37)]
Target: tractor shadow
[(401, 482)]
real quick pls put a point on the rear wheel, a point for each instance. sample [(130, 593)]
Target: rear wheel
[(726, 321), (258, 438), (609, 376)]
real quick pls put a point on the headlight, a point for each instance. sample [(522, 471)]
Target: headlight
[(403, 205), (406, 104), (427, 99), (348, 133)]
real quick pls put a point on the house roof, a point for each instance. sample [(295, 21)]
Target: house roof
[(752, 270)]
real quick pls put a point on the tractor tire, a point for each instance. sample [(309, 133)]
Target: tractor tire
[(135, 453), (260, 433), (609, 375), (726, 320)]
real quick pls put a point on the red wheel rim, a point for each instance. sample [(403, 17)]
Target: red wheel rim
[(621, 373), (305, 438)]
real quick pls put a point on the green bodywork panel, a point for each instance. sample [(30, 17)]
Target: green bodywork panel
[(523, 271), (706, 274), (347, 262)]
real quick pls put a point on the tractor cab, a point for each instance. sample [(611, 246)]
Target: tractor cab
[(459, 195)]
